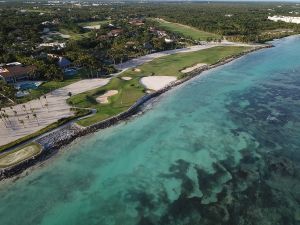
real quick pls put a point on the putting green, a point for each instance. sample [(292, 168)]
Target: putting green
[(19, 155)]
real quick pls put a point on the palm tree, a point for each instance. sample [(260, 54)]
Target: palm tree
[(24, 108), (35, 116), (2, 118), (3, 115), (22, 122), (40, 101), (47, 106), (45, 97), (16, 114), (8, 117), (32, 110), (27, 117)]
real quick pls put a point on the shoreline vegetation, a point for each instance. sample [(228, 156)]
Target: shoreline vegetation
[(53, 141)]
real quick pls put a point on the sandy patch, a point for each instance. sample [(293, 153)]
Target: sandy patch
[(126, 78), (157, 82), (103, 99), (48, 110), (95, 27), (137, 70), (190, 69)]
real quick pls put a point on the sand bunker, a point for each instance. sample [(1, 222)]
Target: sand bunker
[(190, 69), (95, 27), (103, 99), (137, 70), (157, 82), (126, 78)]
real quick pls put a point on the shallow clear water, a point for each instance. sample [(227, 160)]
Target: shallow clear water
[(221, 149)]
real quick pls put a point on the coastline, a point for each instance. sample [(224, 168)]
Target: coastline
[(54, 141)]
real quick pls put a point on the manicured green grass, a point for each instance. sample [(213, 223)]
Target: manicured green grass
[(187, 31), (130, 91), (87, 34), (78, 113), (19, 155), (94, 23), (75, 36), (171, 65)]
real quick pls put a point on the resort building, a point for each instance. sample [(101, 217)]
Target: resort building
[(137, 22), (115, 33), (287, 19), (13, 72)]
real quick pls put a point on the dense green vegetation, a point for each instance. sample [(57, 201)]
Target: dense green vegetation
[(130, 91), (21, 27), (235, 21), (187, 31), (7, 93), (127, 31)]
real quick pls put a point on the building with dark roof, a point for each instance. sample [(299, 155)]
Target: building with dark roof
[(64, 62)]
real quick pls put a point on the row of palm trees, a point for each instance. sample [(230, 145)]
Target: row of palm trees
[(29, 111)]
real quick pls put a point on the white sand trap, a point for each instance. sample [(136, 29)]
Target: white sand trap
[(126, 78), (190, 69), (19, 156), (103, 99), (137, 70), (95, 27), (157, 82)]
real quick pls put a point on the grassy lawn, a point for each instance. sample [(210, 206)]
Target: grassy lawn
[(171, 65), (20, 154), (73, 35), (186, 31), (87, 34), (94, 23), (130, 91)]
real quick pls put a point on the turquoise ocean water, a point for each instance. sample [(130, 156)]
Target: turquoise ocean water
[(224, 148)]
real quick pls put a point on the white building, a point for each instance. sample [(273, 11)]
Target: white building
[(287, 19)]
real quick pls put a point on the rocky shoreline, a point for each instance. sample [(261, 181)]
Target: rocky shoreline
[(55, 140)]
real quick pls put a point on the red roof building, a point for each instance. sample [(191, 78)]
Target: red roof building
[(14, 73)]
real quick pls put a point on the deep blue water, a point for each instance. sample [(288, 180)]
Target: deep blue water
[(221, 149)]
